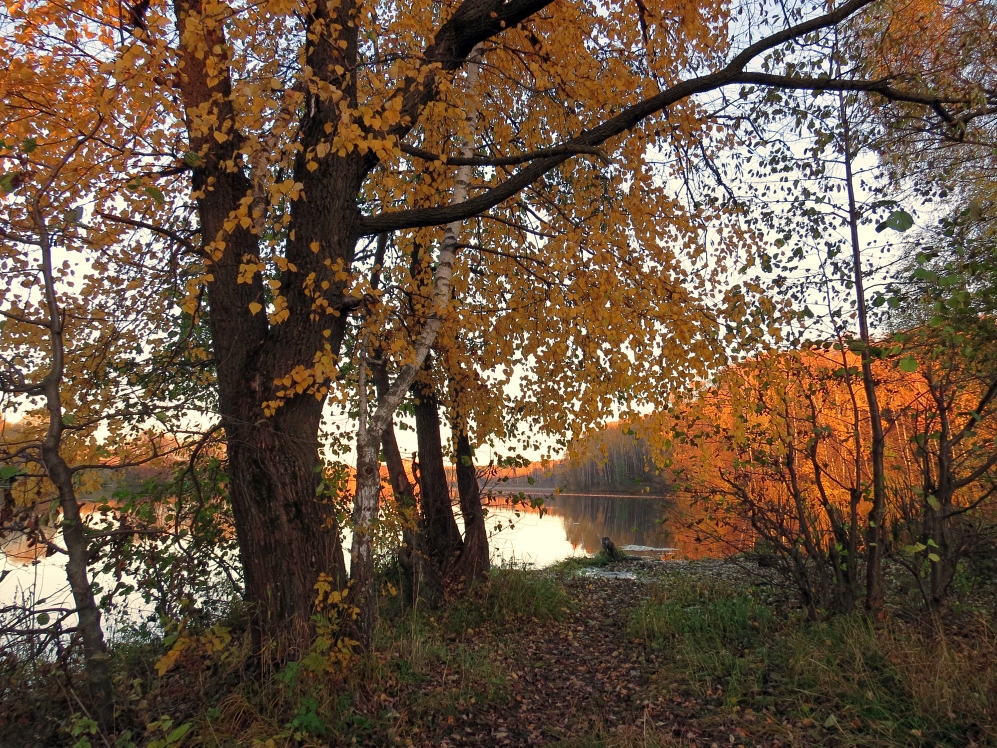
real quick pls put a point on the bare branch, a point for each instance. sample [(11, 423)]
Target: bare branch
[(186, 244), (506, 160)]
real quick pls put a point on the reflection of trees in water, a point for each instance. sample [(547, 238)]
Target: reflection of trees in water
[(611, 460), (587, 519), (653, 522)]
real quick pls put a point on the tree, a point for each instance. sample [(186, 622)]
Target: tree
[(305, 130), (89, 343)]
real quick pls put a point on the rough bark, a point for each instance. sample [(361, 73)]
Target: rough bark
[(473, 563), (288, 535), (443, 541)]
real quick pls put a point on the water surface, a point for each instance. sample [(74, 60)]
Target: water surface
[(574, 525), (568, 525)]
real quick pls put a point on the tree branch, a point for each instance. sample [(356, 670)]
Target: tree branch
[(732, 73), (505, 160), (150, 227), (25, 320), (473, 22)]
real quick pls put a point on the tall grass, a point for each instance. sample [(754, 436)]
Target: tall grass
[(849, 680), (510, 595)]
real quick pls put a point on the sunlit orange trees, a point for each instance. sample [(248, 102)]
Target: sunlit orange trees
[(783, 443)]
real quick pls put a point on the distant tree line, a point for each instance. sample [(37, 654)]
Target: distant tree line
[(613, 460)]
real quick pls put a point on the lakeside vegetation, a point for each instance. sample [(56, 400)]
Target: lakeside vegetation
[(687, 654)]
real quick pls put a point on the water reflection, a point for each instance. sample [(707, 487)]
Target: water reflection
[(571, 525), (574, 525)]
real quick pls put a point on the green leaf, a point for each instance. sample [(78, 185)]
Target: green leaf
[(155, 193), (899, 220), (192, 159), (28, 145), (908, 364), (43, 619), (9, 471), (530, 480), (934, 503), (175, 736), (934, 557)]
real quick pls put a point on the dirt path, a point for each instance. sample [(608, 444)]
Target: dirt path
[(584, 676)]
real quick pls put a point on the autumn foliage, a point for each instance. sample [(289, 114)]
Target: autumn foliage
[(781, 442)]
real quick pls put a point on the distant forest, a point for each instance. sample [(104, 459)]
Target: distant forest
[(612, 461)]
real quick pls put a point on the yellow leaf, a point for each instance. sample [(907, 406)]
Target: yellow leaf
[(169, 659), (255, 307)]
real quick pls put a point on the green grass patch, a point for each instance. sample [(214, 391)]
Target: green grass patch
[(848, 680), (508, 596), (574, 564)]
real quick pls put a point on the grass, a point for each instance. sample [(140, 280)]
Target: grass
[(424, 670), (574, 564), (741, 664), (510, 595), (847, 681)]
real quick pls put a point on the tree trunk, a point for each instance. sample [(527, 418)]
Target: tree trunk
[(875, 535), (288, 534), (473, 563), (943, 570), (96, 659), (365, 509), (443, 540), (100, 689), (421, 581)]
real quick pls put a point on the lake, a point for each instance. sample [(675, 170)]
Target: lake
[(570, 525), (574, 525)]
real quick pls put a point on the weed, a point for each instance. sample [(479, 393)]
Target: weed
[(507, 596), (574, 564), (853, 681)]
